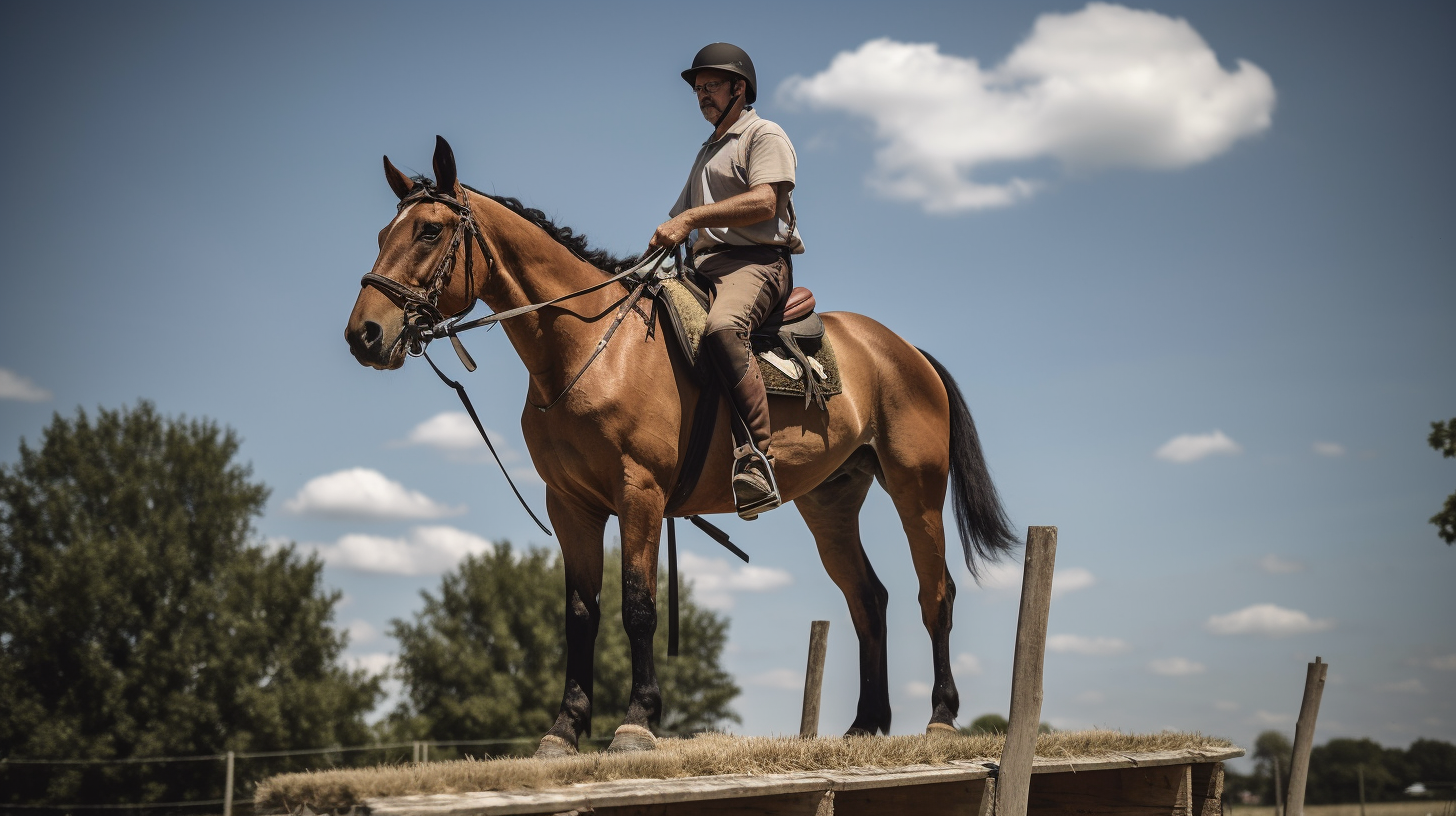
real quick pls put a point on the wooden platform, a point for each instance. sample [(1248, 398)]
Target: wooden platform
[(1177, 783)]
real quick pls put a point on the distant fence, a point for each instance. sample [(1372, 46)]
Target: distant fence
[(228, 781)]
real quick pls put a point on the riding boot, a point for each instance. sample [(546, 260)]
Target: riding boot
[(754, 488)]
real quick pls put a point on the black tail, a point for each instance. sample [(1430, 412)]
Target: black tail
[(983, 524)]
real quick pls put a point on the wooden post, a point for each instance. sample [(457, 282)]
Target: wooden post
[(1013, 784), (1314, 687), (425, 751), (1278, 790), (227, 791), (1361, 771), (415, 748), (814, 678)]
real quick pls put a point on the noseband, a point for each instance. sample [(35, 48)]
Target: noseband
[(422, 317)]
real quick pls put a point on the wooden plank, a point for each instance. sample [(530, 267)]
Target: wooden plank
[(816, 803), (636, 792), (1208, 789), (1019, 752), (961, 798), (597, 795), (1314, 687), (1157, 791)]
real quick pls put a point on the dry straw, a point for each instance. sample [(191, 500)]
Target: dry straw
[(703, 755)]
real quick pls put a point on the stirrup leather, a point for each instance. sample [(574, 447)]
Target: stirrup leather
[(749, 509)]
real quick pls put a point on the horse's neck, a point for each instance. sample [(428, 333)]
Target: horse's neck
[(531, 267)]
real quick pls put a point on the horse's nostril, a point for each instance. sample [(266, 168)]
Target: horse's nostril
[(372, 332)]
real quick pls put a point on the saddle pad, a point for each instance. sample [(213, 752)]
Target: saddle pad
[(689, 315)]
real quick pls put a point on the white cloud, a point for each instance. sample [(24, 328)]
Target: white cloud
[(374, 662), (361, 632), (1192, 447), (1442, 663), (1280, 566), (1103, 87), (428, 550), (1083, 645), (1071, 579), (1008, 574), (1329, 449), (966, 665), (918, 689), (1266, 619), (1263, 717), (453, 432), (778, 678), (715, 580), (1411, 686), (15, 387), (1002, 575), (361, 493), (1226, 705), (1175, 666)]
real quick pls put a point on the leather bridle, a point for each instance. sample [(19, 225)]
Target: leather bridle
[(421, 307)]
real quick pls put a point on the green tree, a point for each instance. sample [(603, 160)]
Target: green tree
[(1443, 439), (1335, 768), (1271, 748), (1429, 760), (486, 658), (136, 619), (997, 724)]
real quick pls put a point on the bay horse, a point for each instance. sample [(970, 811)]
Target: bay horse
[(615, 443)]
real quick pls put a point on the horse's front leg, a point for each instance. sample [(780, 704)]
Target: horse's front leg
[(580, 533), (641, 526)]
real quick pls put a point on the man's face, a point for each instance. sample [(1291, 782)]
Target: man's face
[(713, 103)]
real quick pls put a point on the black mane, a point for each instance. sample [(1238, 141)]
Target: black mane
[(600, 258)]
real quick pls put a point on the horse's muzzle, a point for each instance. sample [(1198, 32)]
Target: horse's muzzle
[(373, 345)]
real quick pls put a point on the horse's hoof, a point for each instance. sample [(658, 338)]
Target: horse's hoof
[(941, 728), (553, 746), (632, 738), (856, 731)]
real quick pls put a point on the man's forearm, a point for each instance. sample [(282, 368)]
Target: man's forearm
[(757, 205)]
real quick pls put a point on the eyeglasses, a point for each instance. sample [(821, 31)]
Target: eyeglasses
[(709, 87)]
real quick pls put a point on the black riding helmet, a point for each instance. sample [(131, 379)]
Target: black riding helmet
[(725, 57)]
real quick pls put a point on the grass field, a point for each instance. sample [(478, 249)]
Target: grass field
[(1427, 808), (704, 755)]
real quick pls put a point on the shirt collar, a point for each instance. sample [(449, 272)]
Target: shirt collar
[(746, 118)]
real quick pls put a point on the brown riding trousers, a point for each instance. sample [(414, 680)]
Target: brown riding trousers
[(745, 284)]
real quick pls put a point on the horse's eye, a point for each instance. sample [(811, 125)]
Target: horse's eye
[(429, 232)]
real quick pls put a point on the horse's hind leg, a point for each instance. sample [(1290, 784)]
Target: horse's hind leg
[(832, 512), (914, 470)]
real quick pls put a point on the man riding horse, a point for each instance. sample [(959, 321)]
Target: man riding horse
[(737, 202)]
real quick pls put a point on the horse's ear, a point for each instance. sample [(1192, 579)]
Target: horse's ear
[(398, 181), (444, 166)]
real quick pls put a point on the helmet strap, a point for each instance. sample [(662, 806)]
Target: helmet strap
[(726, 111)]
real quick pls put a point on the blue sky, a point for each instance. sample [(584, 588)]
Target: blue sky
[(1118, 227)]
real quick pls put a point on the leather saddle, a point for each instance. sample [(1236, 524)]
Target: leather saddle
[(788, 339)]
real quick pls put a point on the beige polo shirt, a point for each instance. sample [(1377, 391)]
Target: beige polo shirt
[(754, 151)]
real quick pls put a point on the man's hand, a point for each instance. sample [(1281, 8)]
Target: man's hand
[(670, 233)]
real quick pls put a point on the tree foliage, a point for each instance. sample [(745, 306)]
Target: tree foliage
[(997, 724), (1443, 439), (136, 619), (1335, 769), (486, 658)]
